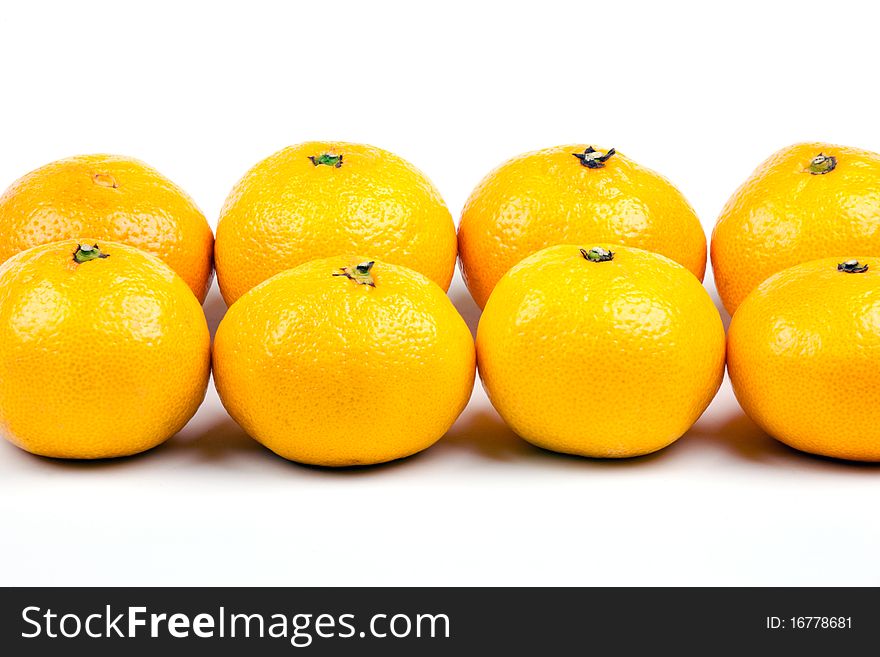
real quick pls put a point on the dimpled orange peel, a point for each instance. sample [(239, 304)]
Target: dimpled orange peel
[(319, 199), (104, 350), (570, 194), (804, 202), (804, 357), (344, 361), (603, 350), (111, 198)]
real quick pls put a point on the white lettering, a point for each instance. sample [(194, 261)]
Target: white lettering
[(133, 621), (24, 616)]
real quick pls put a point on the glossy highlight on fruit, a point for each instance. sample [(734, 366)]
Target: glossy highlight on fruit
[(600, 350), (804, 356), (805, 202), (572, 194), (319, 199), (104, 350), (344, 361), (109, 198)]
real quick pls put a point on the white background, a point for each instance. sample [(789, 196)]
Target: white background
[(202, 91)]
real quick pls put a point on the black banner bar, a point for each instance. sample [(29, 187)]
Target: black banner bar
[(436, 621)]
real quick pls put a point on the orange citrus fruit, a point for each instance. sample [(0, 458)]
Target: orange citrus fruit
[(109, 198), (804, 357), (603, 351), (344, 361), (571, 194), (805, 202), (104, 350), (320, 199)]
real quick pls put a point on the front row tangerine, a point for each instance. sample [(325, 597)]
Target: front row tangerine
[(601, 351), (344, 361), (104, 350), (804, 357)]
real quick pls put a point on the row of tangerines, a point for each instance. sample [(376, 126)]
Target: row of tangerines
[(340, 346)]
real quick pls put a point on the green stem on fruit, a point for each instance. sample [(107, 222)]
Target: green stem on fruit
[(852, 267), (359, 273), (597, 254), (327, 159), (593, 159), (84, 253), (822, 164)]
